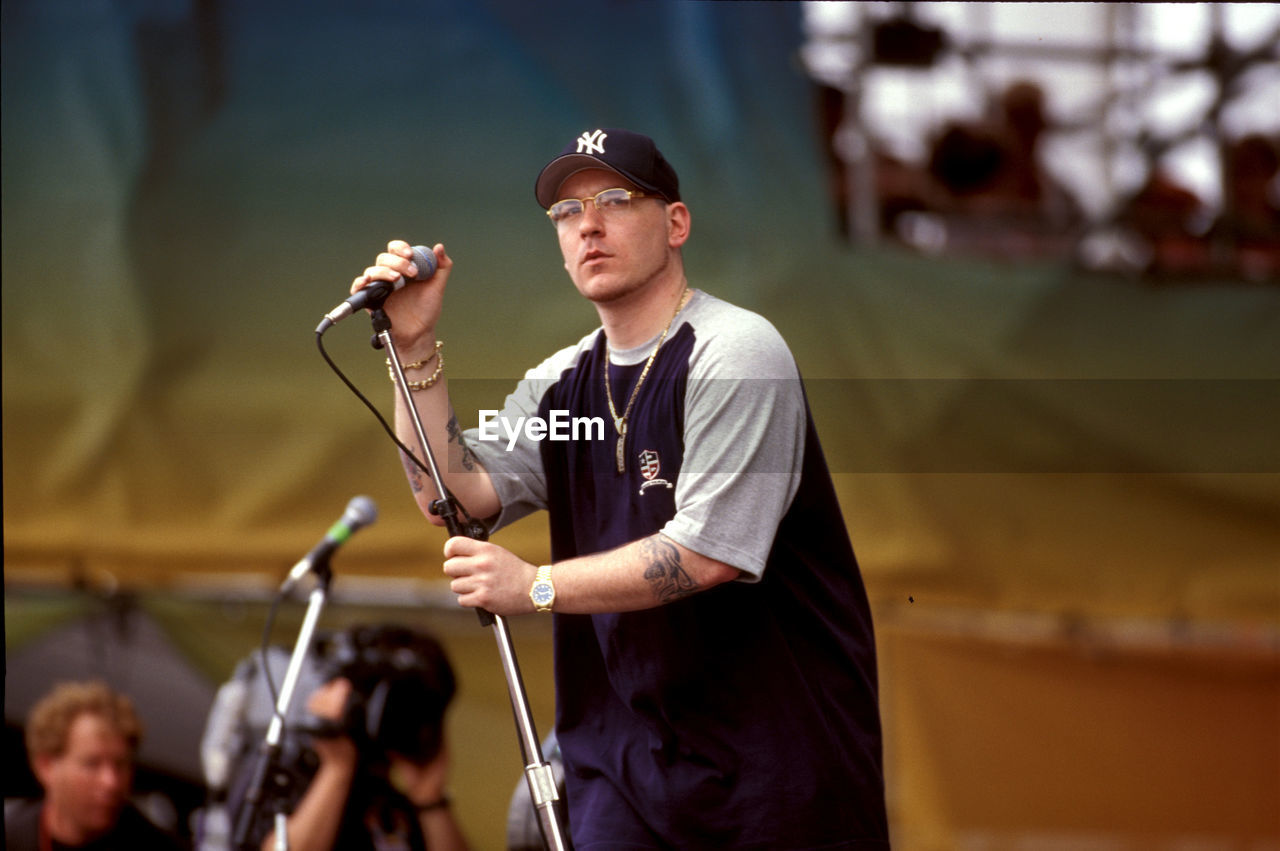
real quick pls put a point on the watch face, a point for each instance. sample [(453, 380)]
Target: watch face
[(543, 593)]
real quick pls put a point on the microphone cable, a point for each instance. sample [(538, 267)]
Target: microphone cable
[(468, 521)]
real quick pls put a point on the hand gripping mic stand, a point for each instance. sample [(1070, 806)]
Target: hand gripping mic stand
[(269, 752), (538, 772)]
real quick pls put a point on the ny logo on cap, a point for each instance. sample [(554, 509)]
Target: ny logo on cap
[(592, 143)]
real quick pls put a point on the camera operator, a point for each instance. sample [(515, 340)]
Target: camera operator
[(382, 759)]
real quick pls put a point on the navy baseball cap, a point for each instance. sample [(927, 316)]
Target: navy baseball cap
[(632, 155)]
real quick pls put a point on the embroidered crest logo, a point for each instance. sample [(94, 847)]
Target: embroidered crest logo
[(592, 143), (650, 464)]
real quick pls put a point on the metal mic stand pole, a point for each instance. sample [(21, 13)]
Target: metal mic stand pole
[(270, 749), (537, 771)]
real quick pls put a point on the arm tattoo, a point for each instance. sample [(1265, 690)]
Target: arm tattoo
[(664, 572), (411, 472), (455, 436)]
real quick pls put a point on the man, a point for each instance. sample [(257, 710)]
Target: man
[(383, 767), (714, 657), (81, 740)]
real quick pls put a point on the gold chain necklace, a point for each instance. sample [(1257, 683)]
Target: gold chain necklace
[(620, 422)]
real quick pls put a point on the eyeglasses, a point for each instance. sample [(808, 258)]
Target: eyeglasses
[(609, 202)]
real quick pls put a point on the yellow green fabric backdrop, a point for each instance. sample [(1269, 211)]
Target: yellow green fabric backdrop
[(189, 187)]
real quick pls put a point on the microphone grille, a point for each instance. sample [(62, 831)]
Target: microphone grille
[(425, 259), (361, 511)]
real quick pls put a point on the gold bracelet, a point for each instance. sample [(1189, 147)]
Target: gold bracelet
[(419, 364), (426, 382)]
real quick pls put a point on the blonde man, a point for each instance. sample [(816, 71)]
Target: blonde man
[(82, 739)]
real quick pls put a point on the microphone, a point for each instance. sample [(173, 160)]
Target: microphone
[(361, 511), (375, 292)]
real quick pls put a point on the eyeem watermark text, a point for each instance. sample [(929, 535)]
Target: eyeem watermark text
[(558, 426)]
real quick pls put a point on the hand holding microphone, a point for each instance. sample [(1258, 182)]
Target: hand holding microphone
[(375, 292)]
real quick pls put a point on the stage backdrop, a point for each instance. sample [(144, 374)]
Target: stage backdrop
[(1064, 492)]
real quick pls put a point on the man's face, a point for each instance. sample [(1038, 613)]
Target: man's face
[(610, 257), (88, 784)]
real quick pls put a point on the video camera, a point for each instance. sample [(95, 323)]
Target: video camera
[(402, 683)]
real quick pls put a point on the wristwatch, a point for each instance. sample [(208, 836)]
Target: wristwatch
[(542, 593)]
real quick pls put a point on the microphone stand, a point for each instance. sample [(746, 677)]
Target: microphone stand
[(269, 751), (538, 772)]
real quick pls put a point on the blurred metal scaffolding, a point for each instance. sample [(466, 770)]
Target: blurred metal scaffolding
[(1055, 130)]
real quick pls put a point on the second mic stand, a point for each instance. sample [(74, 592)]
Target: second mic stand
[(538, 772), (269, 752)]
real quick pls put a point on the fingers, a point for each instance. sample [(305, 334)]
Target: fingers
[(443, 261), (485, 575), (470, 568), (465, 557), (398, 250), (397, 262), (460, 545), (420, 782), (457, 552), (330, 699), (375, 273), (463, 580)]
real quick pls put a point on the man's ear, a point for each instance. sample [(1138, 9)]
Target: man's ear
[(678, 224), (42, 766)]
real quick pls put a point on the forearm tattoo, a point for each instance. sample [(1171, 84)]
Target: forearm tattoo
[(468, 459), (665, 574), (411, 471)]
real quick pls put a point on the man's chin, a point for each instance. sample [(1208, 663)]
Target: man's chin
[(103, 818), (604, 289)]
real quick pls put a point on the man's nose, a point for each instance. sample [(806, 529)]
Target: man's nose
[(592, 221), (114, 776)]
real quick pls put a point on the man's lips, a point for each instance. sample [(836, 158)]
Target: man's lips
[(592, 257)]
